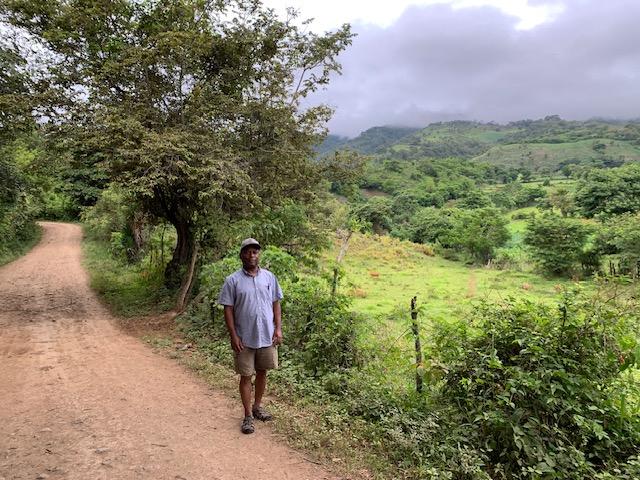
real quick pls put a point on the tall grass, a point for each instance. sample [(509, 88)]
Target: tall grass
[(13, 248), (129, 290)]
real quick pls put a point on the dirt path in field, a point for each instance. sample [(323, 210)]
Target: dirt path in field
[(80, 399)]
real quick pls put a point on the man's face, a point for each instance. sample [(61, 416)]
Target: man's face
[(250, 257)]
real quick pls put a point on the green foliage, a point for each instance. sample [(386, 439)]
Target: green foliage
[(18, 231), (479, 232), (442, 140), (129, 290), (300, 229), (431, 225), (370, 141), (474, 199), (557, 243), (534, 386), (376, 212), (562, 199), (321, 332), (517, 195), (110, 214), (15, 90), (620, 236), (115, 219), (18, 206), (609, 192), (194, 106)]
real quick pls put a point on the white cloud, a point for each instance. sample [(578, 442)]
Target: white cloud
[(330, 14), (441, 62)]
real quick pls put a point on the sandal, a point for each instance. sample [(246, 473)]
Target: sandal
[(247, 425), (261, 414)]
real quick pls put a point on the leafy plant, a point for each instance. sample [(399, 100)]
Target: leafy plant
[(534, 384), (557, 242)]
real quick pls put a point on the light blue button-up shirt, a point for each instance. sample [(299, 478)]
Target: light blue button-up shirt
[(252, 299)]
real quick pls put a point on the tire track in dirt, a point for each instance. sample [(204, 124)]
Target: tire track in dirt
[(81, 399)]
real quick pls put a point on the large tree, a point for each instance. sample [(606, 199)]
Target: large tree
[(193, 105)]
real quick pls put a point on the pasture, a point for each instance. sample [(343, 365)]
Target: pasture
[(383, 273)]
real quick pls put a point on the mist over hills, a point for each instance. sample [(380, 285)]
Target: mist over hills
[(371, 141), (543, 144)]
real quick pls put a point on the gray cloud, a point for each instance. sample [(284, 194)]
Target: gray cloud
[(436, 64)]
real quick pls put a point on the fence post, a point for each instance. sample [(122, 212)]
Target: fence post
[(418, 346)]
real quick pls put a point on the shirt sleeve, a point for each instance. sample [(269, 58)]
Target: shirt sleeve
[(277, 291), (227, 296)]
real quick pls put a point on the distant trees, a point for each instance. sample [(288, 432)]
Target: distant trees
[(476, 232), (557, 243), (376, 213), (620, 237), (430, 225), (609, 192), (563, 200), (479, 233), (193, 105)]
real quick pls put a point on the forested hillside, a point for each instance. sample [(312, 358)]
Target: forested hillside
[(542, 146), (373, 140)]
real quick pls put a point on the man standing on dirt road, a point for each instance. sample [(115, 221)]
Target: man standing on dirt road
[(251, 298)]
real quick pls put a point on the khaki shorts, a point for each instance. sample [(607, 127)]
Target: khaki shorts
[(251, 359)]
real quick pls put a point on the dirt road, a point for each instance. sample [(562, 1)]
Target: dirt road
[(79, 399)]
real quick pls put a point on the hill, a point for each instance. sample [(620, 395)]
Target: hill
[(371, 141), (539, 145)]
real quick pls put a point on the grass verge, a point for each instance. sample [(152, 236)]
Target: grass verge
[(14, 250), (128, 290)]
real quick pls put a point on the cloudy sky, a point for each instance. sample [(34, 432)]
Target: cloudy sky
[(414, 62)]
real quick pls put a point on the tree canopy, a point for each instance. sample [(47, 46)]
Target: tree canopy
[(193, 105)]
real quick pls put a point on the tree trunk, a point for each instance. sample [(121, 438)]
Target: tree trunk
[(138, 234), (187, 282), (177, 267)]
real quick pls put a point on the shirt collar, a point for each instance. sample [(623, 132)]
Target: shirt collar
[(249, 275)]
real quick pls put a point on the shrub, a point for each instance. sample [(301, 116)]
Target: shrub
[(557, 243), (534, 386), (512, 258), (321, 332)]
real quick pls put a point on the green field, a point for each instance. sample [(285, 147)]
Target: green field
[(540, 155), (383, 273)]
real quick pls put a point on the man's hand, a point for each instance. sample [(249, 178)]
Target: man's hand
[(236, 344), (277, 336)]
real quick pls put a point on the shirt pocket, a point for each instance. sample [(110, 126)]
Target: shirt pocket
[(264, 292)]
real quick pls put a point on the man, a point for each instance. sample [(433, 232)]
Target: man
[(251, 298)]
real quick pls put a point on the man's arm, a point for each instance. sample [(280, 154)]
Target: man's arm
[(236, 343), (277, 320)]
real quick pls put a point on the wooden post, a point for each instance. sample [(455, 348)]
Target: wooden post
[(416, 334)]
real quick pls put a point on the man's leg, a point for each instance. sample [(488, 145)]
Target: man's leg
[(261, 384), (266, 359), (245, 393)]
